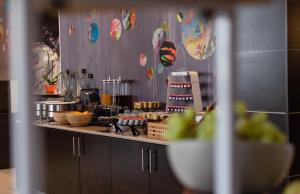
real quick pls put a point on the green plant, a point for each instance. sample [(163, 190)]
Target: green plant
[(51, 81), (255, 127)]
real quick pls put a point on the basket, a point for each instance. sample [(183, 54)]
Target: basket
[(157, 130)]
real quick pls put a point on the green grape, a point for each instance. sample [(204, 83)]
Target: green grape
[(259, 118), (272, 132), (178, 128), (292, 188), (189, 115), (240, 109), (206, 129)]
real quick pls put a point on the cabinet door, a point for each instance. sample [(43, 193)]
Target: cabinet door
[(4, 141), (42, 163), (95, 165), (162, 178), (129, 174), (65, 163)]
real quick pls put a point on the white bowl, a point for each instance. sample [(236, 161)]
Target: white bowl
[(261, 166)]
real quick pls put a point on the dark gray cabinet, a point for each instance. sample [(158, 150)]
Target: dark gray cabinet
[(141, 168), (95, 165), (64, 176), (129, 167), (78, 163), (162, 178)]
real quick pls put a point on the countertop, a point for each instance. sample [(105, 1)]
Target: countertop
[(96, 130)]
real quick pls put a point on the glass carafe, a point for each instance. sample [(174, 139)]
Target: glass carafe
[(73, 85), (114, 109), (91, 82)]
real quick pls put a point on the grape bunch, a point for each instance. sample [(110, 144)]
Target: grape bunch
[(181, 126), (255, 127)]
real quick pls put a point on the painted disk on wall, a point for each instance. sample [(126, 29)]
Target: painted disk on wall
[(160, 68), (93, 32), (159, 36), (167, 53), (179, 17), (198, 36), (150, 73), (128, 18), (115, 29), (143, 59)]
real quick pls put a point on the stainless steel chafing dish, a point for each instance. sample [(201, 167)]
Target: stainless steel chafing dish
[(56, 106), (44, 109)]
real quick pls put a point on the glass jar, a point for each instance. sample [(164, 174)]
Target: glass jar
[(106, 93), (73, 85), (91, 82)]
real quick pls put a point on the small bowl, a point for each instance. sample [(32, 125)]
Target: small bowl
[(60, 118), (79, 120)]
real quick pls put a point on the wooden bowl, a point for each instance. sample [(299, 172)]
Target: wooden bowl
[(60, 118), (79, 120)]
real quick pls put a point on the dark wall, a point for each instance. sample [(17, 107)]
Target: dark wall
[(121, 58), (261, 56)]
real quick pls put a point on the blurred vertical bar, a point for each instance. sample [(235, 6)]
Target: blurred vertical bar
[(224, 150), (22, 129)]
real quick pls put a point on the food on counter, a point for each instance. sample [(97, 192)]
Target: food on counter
[(146, 105), (154, 116), (131, 121), (79, 119), (78, 113)]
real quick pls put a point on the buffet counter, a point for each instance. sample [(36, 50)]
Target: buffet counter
[(103, 131)]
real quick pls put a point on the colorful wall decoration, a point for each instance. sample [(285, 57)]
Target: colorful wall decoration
[(93, 32), (167, 53), (148, 48), (128, 18), (198, 35), (116, 29)]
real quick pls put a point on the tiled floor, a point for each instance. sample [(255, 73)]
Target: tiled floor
[(7, 182)]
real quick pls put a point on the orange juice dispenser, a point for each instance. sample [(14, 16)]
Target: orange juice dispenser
[(106, 95)]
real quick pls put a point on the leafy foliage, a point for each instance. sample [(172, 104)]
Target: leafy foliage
[(49, 80)]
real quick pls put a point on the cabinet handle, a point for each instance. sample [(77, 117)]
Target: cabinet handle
[(150, 161), (143, 166), (74, 152), (78, 146)]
